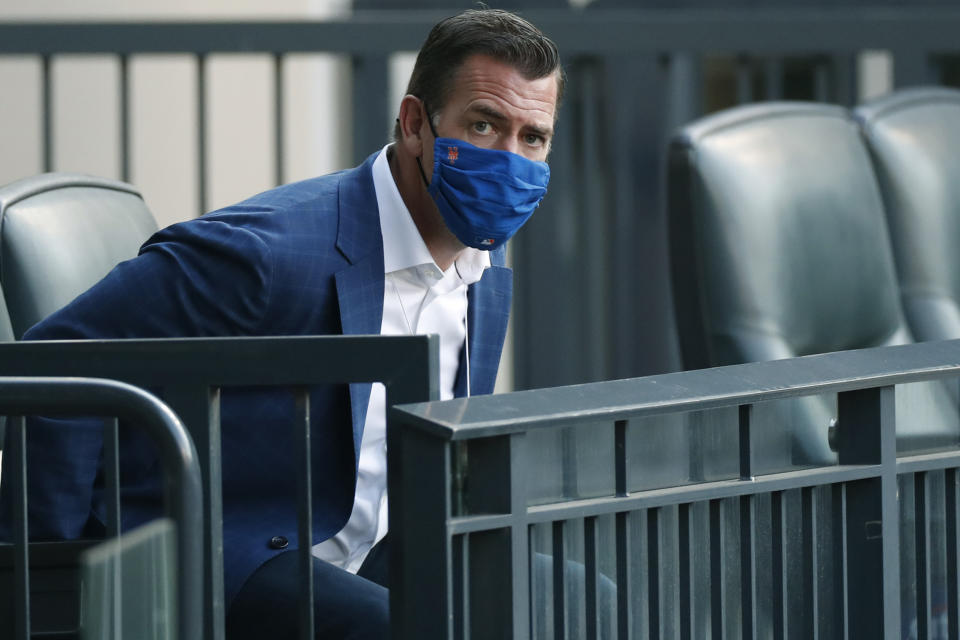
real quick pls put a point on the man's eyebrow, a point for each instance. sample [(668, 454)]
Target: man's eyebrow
[(493, 114), (546, 132), (488, 111)]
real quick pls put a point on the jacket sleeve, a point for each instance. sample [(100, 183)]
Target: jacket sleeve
[(205, 277)]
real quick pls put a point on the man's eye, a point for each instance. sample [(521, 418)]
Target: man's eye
[(533, 140), (481, 127)]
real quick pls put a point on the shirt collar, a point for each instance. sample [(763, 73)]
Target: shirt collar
[(403, 247)]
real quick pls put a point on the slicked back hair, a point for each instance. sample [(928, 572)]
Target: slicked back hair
[(501, 35)]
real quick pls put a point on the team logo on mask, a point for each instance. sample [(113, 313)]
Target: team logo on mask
[(452, 154)]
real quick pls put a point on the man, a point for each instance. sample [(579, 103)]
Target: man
[(412, 241)]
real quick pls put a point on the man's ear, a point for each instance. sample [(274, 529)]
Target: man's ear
[(411, 121)]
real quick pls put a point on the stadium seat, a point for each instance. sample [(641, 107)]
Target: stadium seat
[(914, 138), (61, 233), (779, 249)]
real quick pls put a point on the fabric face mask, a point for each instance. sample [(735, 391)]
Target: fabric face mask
[(484, 195)]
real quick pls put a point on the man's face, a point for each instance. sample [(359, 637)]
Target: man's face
[(493, 106)]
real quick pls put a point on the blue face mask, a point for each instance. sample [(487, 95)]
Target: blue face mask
[(484, 195)]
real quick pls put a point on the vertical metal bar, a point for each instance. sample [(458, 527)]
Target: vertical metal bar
[(748, 567), (844, 79), (124, 91), (461, 586), (199, 409), (746, 463), (370, 104), (952, 526), (777, 565), (519, 536), (201, 133), (773, 78), (921, 515), (686, 583), (624, 254), (111, 459), (279, 101), (624, 584), (593, 272), (17, 457), (420, 552), (620, 457), (911, 67), (46, 99), (591, 578), (867, 435), (570, 477), (840, 577), (716, 571), (535, 631), (653, 574), (559, 583), (301, 427), (419, 469), (821, 80), (744, 76), (808, 563), (683, 91)]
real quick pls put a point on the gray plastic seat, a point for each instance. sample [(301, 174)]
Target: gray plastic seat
[(779, 249), (914, 138), (61, 233), (6, 329)]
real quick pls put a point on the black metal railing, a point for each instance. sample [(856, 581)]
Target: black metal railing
[(22, 396), (514, 533), (189, 374)]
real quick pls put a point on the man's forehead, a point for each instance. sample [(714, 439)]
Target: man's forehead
[(482, 80)]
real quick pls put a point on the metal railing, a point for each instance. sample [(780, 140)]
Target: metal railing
[(634, 75), (189, 374), (23, 396), (540, 514)]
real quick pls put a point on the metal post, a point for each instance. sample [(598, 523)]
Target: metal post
[(199, 409), (866, 435), (279, 102), (370, 104), (46, 99), (301, 426), (201, 89), (17, 458), (124, 91)]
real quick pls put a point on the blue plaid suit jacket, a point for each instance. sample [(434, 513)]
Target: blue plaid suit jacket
[(301, 259)]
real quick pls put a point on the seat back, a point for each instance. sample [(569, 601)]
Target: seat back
[(914, 138), (59, 234), (6, 329), (778, 246)]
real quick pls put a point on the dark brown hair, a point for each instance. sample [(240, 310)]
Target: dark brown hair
[(502, 35)]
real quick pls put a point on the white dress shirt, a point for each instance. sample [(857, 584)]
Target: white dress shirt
[(418, 298)]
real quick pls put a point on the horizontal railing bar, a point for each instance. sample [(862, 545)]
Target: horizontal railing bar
[(797, 30), (483, 416), (666, 496), (699, 493), (472, 524), (218, 361), (928, 462)]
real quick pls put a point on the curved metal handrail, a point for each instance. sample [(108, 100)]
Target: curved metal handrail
[(23, 396)]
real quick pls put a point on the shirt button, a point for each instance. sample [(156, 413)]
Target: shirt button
[(279, 542)]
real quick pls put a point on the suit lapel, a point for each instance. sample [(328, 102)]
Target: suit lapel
[(360, 286), (488, 310)]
